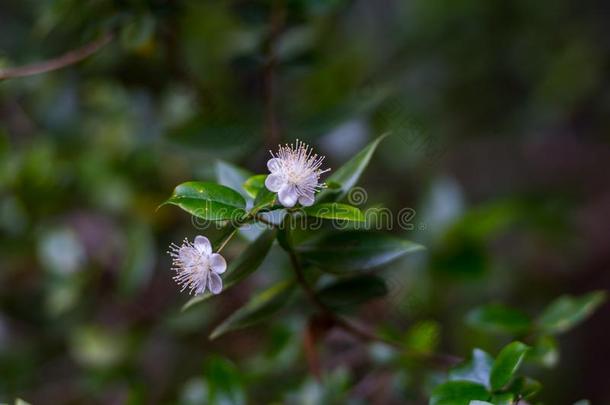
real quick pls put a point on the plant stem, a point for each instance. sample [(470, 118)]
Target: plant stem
[(228, 238), (438, 359), (67, 59)]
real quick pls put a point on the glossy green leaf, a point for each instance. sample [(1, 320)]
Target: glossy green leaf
[(567, 311), (505, 398), (336, 211), (347, 175), (241, 267), (208, 201), (477, 369), (259, 308), (458, 393), (499, 318), (343, 252), (265, 200), (506, 364), (351, 292), (254, 184), (232, 176)]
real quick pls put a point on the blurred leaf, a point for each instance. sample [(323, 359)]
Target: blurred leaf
[(499, 318), (567, 311), (224, 382), (207, 200), (351, 292), (506, 364), (139, 32), (525, 387), (506, 398), (423, 337), (20, 401), (343, 252), (458, 393), (348, 174), (139, 259), (241, 267), (254, 184), (232, 176), (335, 211), (477, 369), (259, 308), (545, 351)]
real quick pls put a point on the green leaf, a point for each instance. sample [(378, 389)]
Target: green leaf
[(567, 311), (505, 398), (499, 318), (477, 369), (347, 175), (337, 211), (351, 292), (423, 337), (506, 364), (232, 176), (254, 184), (224, 382), (344, 252), (244, 265), (458, 393), (258, 309), (525, 387), (545, 351), (265, 200), (208, 201)]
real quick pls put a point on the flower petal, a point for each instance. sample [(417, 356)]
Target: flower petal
[(288, 195), (274, 165), (218, 263), (306, 200), (201, 283), (215, 283), (203, 245), (274, 182)]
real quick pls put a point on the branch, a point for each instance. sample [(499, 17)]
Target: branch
[(67, 59), (438, 359)]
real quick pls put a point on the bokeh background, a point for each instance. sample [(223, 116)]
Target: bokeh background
[(498, 113)]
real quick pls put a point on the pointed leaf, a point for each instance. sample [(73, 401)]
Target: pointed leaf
[(244, 265), (477, 369), (347, 175), (259, 308), (254, 184), (336, 211), (343, 252), (567, 311), (499, 318), (458, 393), (208, 201), (506, 364)]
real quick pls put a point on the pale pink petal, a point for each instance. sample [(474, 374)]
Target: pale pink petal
[(218, 263), (203, 245), (274, 182), (215, 283), (274, 165), (288, 195), (201, 283), (188, 256), (306, 200)]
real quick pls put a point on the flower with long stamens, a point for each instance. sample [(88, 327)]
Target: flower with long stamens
[(196, 267), (295, 174)]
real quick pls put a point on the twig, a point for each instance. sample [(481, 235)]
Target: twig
[(67, 59), (441, 360)]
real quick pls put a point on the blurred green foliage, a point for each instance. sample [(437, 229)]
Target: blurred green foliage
[(498, 121)]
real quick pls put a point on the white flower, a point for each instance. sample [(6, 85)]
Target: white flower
[(196, 266), (295, 174)]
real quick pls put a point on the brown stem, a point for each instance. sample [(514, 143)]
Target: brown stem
[(438, 359), (67, 59)]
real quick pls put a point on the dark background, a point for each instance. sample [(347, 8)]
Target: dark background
[(498, 113)]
